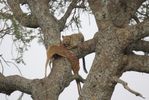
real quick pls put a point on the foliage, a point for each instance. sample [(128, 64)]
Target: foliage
[(122, 25)]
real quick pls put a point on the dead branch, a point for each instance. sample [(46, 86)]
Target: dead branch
[(125, 85), (63, 20), (8, 64)]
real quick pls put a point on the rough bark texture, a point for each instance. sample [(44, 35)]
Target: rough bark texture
[(113, 45)]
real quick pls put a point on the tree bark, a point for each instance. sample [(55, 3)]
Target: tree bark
[(113, 45)]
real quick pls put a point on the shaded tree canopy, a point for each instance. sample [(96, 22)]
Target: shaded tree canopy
[(122, 27)]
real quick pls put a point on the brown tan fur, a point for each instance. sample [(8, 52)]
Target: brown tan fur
[(64, 52), (72, 41)]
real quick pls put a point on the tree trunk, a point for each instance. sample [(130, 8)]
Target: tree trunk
[(107, 63), (50, 88), (113, 45)]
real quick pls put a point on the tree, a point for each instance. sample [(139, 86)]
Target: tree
[(122, 25)]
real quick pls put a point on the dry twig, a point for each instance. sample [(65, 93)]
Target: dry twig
[(125, 85)]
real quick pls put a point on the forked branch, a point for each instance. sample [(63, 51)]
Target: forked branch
[(23, 18)]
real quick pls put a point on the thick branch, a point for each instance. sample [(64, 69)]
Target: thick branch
[(63, 20), (10, 84), (86, 48), (142, 30), (24, 19), (99, 9), (138, 46), (22, 1), (137, 63), (122, 11), (45, 21), (136, 32)]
